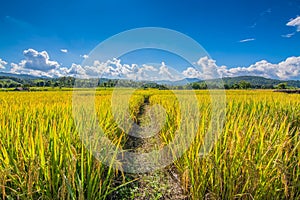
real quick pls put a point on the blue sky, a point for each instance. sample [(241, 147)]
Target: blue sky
[(234, 33)]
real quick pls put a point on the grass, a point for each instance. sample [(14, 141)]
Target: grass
[(257, 155)]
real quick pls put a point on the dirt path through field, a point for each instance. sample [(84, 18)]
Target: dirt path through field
[(160, 184)]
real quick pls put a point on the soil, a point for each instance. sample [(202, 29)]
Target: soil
[(160, 184)]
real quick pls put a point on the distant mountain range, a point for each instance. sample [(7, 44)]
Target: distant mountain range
[(255, 81), (178, 82)]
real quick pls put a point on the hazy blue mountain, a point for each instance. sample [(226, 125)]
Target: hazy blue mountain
[(259, 81), (178, 82)]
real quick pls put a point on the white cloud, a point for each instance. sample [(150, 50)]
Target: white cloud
[(38, 61), (288, 69), (149, 67), (295, 22), (111, 68), (76, 69), (145, 72), (64, 50), (165, 72), (37, 64), (289, 35), (17, 69), (247, 40), (261, 68), (191, 72), (84, 56), (2, 64), (208, 69), (116, 69)]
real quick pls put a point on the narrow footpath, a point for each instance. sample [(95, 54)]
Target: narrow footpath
[(160, 184)]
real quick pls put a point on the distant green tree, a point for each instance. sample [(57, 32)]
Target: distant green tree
[(244, 85), (56, 84), (48, 83), (226, 86), (40, 84), (235, 86), (69, 82), (203, 86), (196, 86), (26, 85), (12, 85), (281, 86)]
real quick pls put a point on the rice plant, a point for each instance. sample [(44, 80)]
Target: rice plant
[(257, 155)]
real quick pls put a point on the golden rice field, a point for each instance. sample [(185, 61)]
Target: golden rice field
[(257, 155)]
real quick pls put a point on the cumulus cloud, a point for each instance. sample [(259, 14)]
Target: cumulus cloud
[(39, 64), (143, 72), (165, 72), (64, 50), (110, 68), (261, 68), (36, 64), (15, 68), (295, 22), (75, 69), (116, 69), (288, 69), (2, 64), (247, 40), (38, 61), (18, 69), (207, 69), (191, 72)]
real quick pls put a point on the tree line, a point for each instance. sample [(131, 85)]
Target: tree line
[(70, 82)]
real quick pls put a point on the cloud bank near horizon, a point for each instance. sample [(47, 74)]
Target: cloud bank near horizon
[(2, 64), (39, 64)]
